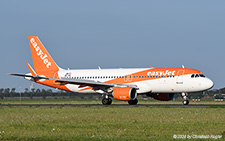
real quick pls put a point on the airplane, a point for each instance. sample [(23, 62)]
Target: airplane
[(121, 84)]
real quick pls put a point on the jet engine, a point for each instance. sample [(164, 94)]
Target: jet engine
[(161, 96), (124, 93)]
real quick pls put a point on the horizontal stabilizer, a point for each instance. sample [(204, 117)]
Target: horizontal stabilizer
[(25, 75)]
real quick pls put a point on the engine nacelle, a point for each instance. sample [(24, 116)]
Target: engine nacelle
[(162, 96), (125, 93)]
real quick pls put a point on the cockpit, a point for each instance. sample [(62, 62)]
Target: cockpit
[(197, 75)]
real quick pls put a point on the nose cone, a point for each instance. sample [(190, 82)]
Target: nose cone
[(208, 84)]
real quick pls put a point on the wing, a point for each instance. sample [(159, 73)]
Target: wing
[(84, 83), (96, 85)]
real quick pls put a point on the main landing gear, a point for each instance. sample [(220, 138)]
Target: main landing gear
[(133, 102), (106, 100), (186, 101)]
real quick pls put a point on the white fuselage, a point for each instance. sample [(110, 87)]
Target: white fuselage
[(164, 84)]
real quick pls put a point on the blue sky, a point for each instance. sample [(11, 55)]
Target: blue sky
[(113, 34)]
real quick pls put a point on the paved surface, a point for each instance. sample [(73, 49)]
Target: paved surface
[(113, 105)]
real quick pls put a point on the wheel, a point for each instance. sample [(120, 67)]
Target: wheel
[(106, 101), (133, 102), (186, 102), (110, 101)]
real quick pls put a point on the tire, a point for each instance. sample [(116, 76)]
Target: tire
[(133, 102), (186, 102), (106, 101), (110, 101)]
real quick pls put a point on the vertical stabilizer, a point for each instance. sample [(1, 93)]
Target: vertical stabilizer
[(43, 62)]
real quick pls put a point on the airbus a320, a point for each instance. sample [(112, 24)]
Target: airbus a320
[(121, 84)]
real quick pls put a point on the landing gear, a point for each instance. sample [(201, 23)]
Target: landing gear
[(133, 102), (106, 101), (186, 101)]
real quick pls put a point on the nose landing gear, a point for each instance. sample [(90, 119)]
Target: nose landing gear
[(186, 101)]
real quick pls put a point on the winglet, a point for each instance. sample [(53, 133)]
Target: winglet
[(31, 70)]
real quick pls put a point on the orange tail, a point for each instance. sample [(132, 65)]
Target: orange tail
[(43, 62)]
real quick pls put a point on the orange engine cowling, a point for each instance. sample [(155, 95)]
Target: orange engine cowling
[(125, 93)]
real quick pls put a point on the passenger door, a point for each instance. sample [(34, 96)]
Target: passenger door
[(180, 76)]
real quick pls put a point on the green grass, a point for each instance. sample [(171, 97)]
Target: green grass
[(108, 123), (74, 101)]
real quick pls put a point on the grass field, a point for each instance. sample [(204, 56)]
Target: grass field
[(74, 101), (108, 123)]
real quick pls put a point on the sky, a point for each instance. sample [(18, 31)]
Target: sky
[(85, 34)]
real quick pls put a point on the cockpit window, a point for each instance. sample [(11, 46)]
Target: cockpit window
[(202, 75), (197, 75)]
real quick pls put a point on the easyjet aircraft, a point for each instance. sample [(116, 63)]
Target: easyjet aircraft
[(121, 84)]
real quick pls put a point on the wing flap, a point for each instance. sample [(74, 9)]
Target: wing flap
[(84, 83)]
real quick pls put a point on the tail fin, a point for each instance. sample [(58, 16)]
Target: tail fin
[(43, 62)]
